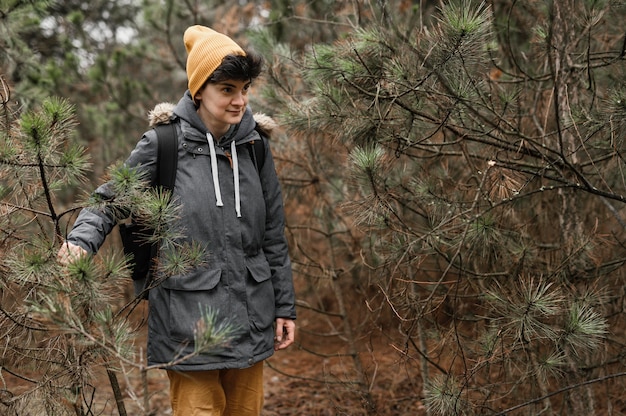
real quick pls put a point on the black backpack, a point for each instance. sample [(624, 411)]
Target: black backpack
[(143, 254)]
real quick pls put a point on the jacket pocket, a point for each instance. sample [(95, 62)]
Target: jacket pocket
[(260, 293), (188, 299), (201, 280), (259, 268)]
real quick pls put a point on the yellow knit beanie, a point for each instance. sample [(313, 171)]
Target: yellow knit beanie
[(206, 49)]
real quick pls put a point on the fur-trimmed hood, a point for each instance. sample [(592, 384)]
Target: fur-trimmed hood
[(162, 114)]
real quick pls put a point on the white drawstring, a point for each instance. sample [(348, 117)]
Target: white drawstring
[(233, 153), (216, 181)]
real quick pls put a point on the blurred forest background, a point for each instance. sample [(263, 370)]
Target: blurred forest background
[(453, 178)]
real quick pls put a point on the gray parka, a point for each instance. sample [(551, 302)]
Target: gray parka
[(237, 216)]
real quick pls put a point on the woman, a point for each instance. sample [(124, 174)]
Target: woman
[(232, 206)]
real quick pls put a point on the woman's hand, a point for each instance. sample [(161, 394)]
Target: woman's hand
[(285, 333), (70, 252)]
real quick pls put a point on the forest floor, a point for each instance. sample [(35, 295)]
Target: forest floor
[(314, 377), (290, 396), (299, 382)]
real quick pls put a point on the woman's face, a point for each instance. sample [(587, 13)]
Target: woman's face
[(222, 104)]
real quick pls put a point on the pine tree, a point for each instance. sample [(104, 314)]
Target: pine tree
[(62, 324), (469, 165)]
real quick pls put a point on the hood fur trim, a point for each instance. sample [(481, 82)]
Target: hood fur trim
[(265, 124), (163, 112)]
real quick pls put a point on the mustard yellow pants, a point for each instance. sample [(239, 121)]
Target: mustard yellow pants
[(234, 392)]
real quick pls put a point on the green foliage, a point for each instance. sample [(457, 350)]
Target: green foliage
[(180, 259), (38, 157), (367, 161), (525, 314), (584, 329), (473, 161), (212, 331), (118, 332), (42, 130), (76, 309), (462, 18), (451, 178), (443, 397)]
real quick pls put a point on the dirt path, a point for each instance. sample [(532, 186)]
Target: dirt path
[(314, 389)]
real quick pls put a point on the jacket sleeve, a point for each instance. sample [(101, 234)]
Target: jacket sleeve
[(93, 224), (275, 243)]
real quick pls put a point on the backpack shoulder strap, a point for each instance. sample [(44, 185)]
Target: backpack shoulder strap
[(167, 155), (257, 151)]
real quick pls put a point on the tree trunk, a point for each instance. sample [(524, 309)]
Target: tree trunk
[(566, 87)]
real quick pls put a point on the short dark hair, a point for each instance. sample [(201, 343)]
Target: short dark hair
[(238, 67)]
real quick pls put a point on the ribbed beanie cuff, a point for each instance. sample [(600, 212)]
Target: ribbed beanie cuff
[(206, 49)]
